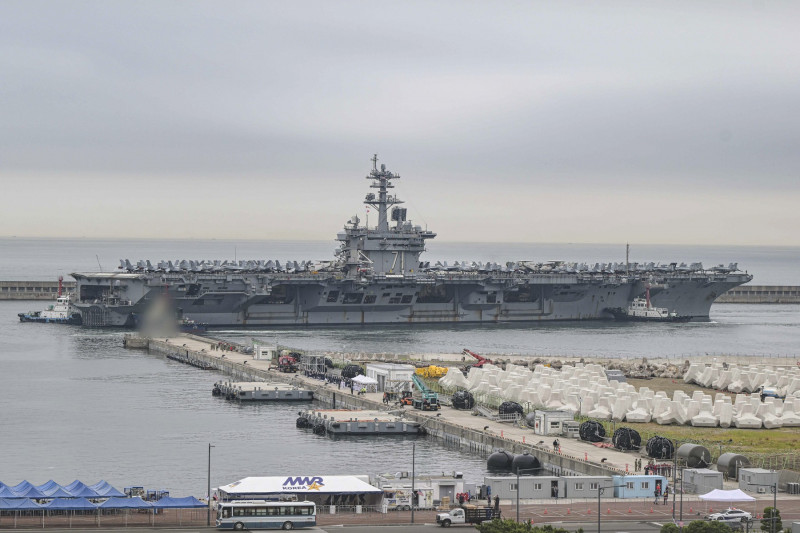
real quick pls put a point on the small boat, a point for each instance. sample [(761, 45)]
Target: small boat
[(61, 312), (187, 325), (640, 310)]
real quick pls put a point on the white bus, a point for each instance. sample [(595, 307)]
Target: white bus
[(262, 514)]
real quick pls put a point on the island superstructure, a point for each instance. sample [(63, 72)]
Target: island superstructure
[(378, 277)]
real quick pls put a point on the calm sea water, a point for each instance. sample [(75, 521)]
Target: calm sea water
[(75, 404)]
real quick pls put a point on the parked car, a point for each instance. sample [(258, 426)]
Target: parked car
[(731, 515)]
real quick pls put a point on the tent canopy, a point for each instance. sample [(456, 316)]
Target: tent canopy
[(71, 504), (190, 502), (254, 486), (718, 495), (57, 492), (18, 504), (125, 503), (364, 380), (51, 489), (104, 488), (30, 492)]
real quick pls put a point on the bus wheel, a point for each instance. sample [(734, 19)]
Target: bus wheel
[(238, 526), (288, 525)]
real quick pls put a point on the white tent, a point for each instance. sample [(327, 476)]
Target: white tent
[(368, 383), (260, 486), (322, 490), (735, 495)]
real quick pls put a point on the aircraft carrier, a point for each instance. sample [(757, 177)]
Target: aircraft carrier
[(377, 277)]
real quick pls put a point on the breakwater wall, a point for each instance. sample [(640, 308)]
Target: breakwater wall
[(474, 437), (32, 290), (762, 294)]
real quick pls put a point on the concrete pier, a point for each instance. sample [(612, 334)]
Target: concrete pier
[(452, 426), (259, 391)]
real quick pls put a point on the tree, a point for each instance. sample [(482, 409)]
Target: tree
[(767, 521), (669, 528), (510, 526), (701, 526)]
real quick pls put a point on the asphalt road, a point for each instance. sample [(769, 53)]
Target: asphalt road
[(606, 527)]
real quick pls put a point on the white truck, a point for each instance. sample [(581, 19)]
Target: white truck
[(469, 514)]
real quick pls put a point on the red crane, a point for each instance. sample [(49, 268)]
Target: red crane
[(481, 360)]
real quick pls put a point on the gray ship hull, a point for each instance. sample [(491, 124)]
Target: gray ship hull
[(310, 305)]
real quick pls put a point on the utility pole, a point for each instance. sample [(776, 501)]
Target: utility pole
[(208, 497), (413, 475)]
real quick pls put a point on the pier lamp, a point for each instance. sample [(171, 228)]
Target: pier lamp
[(208, 497), (773, 487), (519, 471)]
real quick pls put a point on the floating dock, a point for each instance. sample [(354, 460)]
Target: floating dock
[(357, 422), (258, 391)]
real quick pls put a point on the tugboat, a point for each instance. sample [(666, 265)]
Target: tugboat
[(59, 313), (640, 310)]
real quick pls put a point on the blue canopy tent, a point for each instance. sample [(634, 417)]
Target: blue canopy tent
[(20, 504), (83, 492), (30, 492), (71, 504), (7, 492), (44, 487), (57, 492), (167, 502), (22, 486), (125, 503), (189, 502), (76, 483), (104, 489), (25, 504)]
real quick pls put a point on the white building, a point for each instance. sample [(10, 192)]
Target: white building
[(550, 422), (391, 376)]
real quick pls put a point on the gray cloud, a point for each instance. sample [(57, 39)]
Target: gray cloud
[(272, 100)]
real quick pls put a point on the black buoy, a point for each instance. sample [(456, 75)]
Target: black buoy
[(524, 461), (626, 439), (319, 429), (660, 448), (499, 461), (301, 422), (592, 431), (351, 371), (463, 400), (508, 408)]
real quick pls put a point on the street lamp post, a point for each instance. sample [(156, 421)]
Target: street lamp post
[(601, 490), (208, 497), (413, 475), (774, 489), (519, 470)]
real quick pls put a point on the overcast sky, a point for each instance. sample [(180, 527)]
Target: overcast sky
[(647, 122)]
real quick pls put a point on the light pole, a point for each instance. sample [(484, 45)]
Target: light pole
[(413, 475), (601, 490), (208, 500), (518, 472), (773, 487)]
